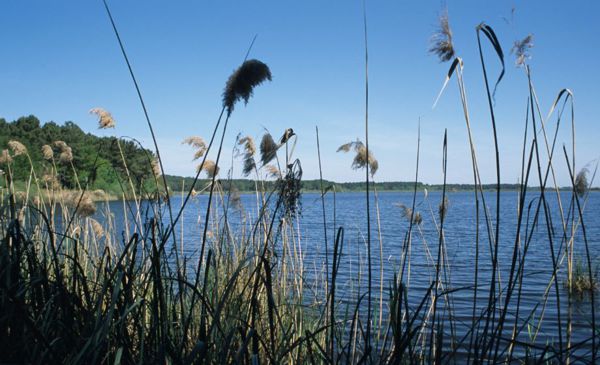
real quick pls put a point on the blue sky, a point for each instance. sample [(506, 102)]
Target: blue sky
[(60, 58)]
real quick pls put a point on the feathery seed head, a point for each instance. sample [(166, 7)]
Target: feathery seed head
[(581, 182), (47, 152), (521, 49), (210, 168), (105, 119), (17, 148), (198, 143), (5, 157), (242, 82), (155, 167), (268, 149), (249, 151), (441, 41)]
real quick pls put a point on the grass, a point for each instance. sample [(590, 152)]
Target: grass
[(74, 289)]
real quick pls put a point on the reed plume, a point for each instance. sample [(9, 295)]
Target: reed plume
[(407, 212), (83, 204), (441, 41), (105, 119), (17, 148), (521, 49), (66, 153), (241, 83), (97, 228), (360, 159), (249, 152), (198, 143), (5, 157), (210, 167), (581, 182), (273, 171), (268, 149), (155, 167), (47, 152)]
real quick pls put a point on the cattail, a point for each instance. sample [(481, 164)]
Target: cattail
[(242, 81), (105, 119), (47, 152), (581, 182), (5, 157), (97, 228), (443, 208), (268, 149), (198, 143), (249, 151), (17, 148), (442, 40), (209, 167), (521, 49)]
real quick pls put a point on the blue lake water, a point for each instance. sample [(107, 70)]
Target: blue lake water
[(389, 229)]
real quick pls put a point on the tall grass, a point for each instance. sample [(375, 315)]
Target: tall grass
[(76, 289)]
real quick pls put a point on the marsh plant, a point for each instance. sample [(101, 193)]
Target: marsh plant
[(74, 288)]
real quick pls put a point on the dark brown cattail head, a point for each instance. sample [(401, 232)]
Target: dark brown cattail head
[(242, 82), (441, 41)]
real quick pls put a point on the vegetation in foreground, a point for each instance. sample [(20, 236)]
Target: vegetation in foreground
[(74, 290)]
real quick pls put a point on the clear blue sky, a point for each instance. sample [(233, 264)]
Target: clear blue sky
[(60, 58)]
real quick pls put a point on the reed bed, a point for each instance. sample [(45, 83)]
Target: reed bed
[(75, 289)]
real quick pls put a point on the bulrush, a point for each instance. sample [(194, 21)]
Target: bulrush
[(441, 40), (521, 49), (198, 143), (47, 152), (360, 159), (105, 119), (241, 83), (17, 148), (268, 149)]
